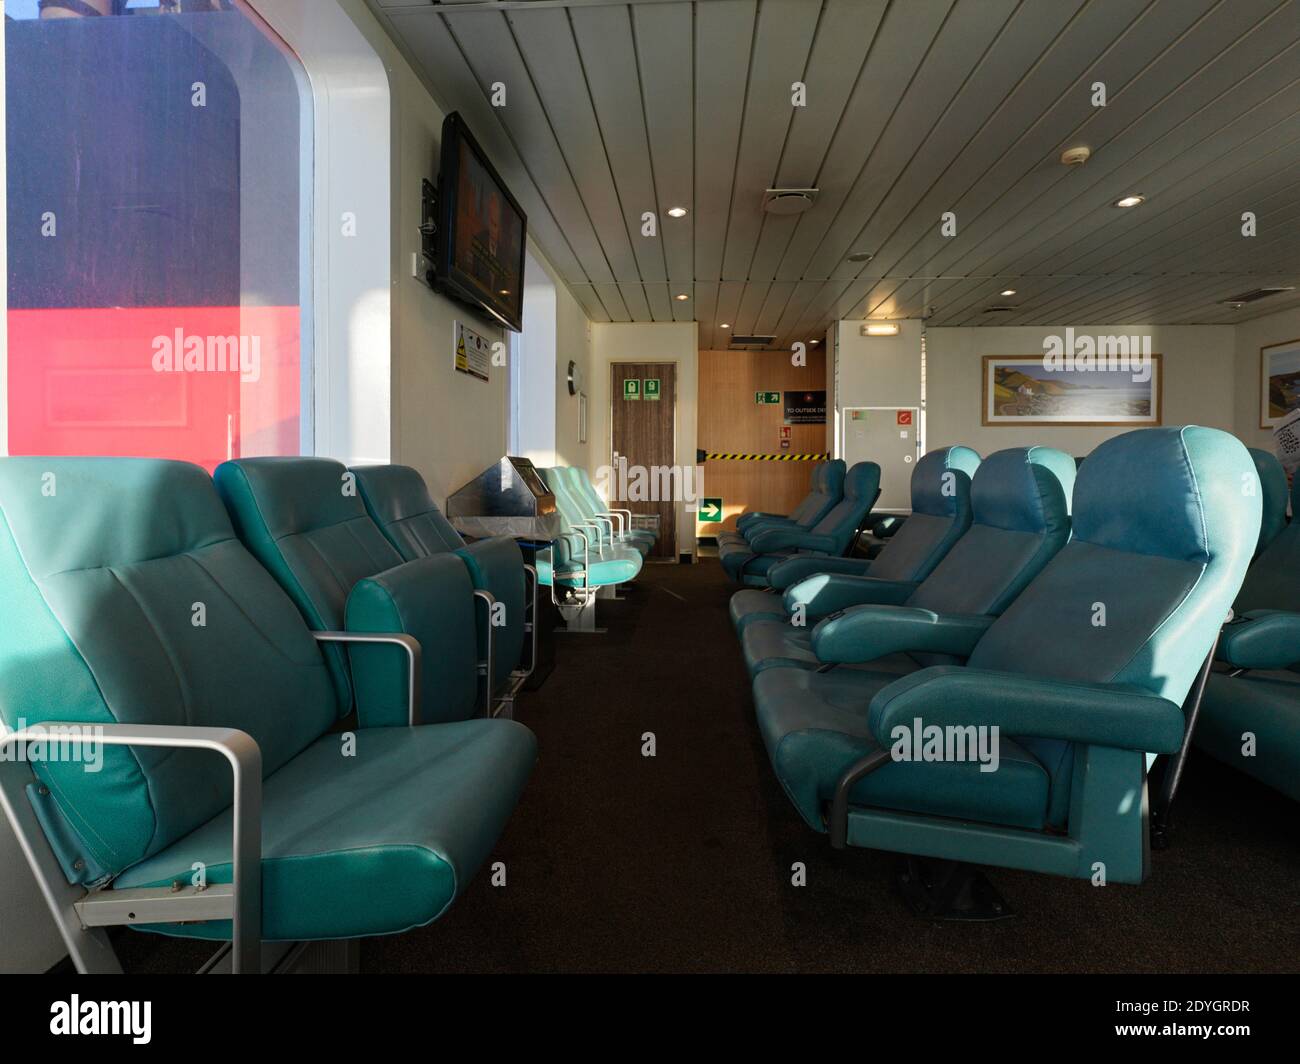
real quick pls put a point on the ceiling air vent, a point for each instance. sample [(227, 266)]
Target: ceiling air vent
[(750, 343), (998, 310), (1259, 293)]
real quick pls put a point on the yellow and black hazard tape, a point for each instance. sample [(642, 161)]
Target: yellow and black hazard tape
[(728, 456)]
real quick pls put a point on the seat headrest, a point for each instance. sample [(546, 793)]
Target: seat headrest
[(936, 493), (832, 477), (90, 513), (1196, 509), (862, 481), (1024, 489), (1273, 493), (393, 492), (290, 495)]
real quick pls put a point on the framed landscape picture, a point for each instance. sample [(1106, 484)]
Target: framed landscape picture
[(1279, 382), (1020, 390)]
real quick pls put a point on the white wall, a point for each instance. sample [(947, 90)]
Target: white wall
[(535, 372), (448, 425), (1250, 337), (573, 342), (1199, 381), (873, 371), (659, 342)]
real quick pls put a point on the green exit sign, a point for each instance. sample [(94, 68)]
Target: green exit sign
[(651, 388), (710, 510), (762, 398), (632, 388)]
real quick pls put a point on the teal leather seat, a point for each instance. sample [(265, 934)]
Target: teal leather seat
[(129, 600), (1020, 507), (941, 514), (398, 501), (1250, 717), (831, 536), (596, 509), (1083, 675), (304, 520), (825, 492), (584, 553)]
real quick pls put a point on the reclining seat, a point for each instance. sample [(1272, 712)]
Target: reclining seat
[(1087, 670), (831, 536), (642, 539), (940, 516), (130, 605), (1020, 507), (825, 492), (398, 501), (303, 519), (1250, 718)]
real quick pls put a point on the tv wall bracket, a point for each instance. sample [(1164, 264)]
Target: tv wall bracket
[(422, 261)]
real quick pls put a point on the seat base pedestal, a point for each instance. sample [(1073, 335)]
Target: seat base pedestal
[(949, 890)]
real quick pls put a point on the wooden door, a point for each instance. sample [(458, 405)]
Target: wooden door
[(644, 436)]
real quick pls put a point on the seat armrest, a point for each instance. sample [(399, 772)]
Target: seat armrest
[(789, 572), (826, 593), (773, 539), (1261, 639), (433, 600), (71, 906), (864, 633), (744, 520), (1101, 714)]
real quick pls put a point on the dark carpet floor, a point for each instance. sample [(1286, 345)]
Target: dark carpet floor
[(681, 862)]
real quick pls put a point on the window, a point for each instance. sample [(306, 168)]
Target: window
[(158, 198)]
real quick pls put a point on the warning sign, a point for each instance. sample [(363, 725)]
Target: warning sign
[(473, 353)]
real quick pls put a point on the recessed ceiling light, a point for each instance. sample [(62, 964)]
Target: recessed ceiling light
[(676, 212), (725, 325), (1130, 201), (1007, 292), (814, 341), (681, 297), (860, 256)]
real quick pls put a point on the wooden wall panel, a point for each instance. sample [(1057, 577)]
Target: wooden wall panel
[(730, 420)]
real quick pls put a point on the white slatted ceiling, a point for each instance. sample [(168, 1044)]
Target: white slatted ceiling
[(915, 107)]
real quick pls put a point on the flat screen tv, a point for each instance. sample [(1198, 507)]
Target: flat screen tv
[(481, 230)]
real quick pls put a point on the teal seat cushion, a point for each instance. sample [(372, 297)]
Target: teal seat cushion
[(601, 572), (750, 604), (375, 843), (776, 644), (398, 501), (814, 726)]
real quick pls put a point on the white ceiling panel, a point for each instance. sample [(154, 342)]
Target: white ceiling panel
[(913, 108)]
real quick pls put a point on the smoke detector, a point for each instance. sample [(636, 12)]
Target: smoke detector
[(1075, 156), (788, 200)]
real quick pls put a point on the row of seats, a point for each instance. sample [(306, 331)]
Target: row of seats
[(1074, 614), (825, 524), (596, 550), (167, 607)]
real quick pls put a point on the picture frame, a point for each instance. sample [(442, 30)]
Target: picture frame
[(1021, 390), (1279, 382)]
